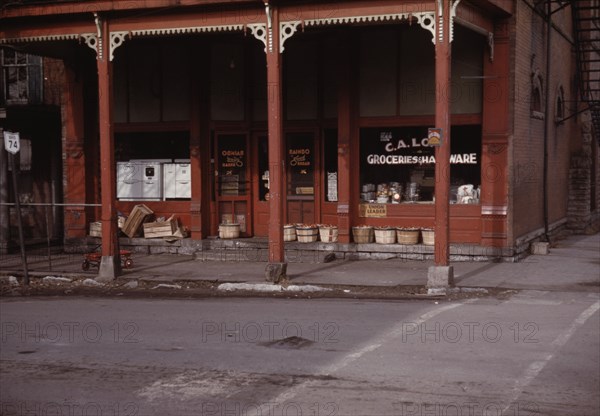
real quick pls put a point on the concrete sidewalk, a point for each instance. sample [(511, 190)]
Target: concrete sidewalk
[(573, 264)]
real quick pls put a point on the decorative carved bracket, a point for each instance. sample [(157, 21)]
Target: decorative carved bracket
[(491, 45), (91, 40), (427, 22), (452, 16), (259, 31), (286, 30), (116, 40)]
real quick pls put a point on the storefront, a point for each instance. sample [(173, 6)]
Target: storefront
[(344, 103)]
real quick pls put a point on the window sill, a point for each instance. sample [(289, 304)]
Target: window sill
[(538, 115)]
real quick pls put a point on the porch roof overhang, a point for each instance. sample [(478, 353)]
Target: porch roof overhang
[(23, 26)]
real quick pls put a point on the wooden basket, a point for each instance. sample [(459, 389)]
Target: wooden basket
[(307, 234), (407, 236), (385, 235), (289, 233), (362, 234), (229, 231), (428, 237), (328, 234)]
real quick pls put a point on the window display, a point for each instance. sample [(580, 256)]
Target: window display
[(398, 165), (330, 164)]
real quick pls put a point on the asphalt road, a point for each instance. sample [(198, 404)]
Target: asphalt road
[(536, 353)]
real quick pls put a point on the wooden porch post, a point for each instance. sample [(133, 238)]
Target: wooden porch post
[(441, 274), (110, 265), (276, 269), (346, 123)]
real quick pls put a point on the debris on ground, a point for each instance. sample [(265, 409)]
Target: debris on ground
[(156, 287)]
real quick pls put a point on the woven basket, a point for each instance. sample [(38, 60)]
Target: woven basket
[(407, 236), (328, 234), (385, 235), (362, 234), (289, 233), (428, 237)]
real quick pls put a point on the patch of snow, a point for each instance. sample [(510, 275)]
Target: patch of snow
[(54, 279), (91, 282), (11, 280), (436, 291), (166, 286), (265, 287), (131, 285)]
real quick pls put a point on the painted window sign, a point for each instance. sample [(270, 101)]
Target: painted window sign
[(397, 149), (232, 158), (299, 157)]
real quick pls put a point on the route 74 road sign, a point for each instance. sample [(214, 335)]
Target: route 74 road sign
[(12, 142)]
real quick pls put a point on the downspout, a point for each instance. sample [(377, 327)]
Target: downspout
[(547, 116)]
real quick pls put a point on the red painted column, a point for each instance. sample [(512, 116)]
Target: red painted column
[(110, 266), (199, 146), (442, 120), (346, 117), (276, 268)]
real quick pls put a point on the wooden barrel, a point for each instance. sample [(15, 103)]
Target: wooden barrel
[(362, 234), (229, 230), (307, 234)]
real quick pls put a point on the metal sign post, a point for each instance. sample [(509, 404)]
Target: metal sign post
[(12, 144)]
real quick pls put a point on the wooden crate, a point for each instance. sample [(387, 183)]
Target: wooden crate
[(160, 228), (139, 214)]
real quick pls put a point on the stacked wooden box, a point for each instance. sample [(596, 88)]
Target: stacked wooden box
[(159, 229), (138, 216)]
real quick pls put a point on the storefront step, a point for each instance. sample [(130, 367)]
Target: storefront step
[(257, 250)]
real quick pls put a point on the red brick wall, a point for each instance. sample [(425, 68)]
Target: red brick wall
[(528, 139)]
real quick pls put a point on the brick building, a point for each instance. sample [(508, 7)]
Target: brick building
[(30, 90), (319, 112)]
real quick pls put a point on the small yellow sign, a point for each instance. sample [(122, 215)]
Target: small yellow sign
[(434, 137), (372, 210)]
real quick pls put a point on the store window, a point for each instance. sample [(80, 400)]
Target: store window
[(22, 77), (263, 168), (330, 163), (397, 165)]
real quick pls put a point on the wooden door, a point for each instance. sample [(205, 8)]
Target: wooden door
[(233, 181), (301, 163)]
